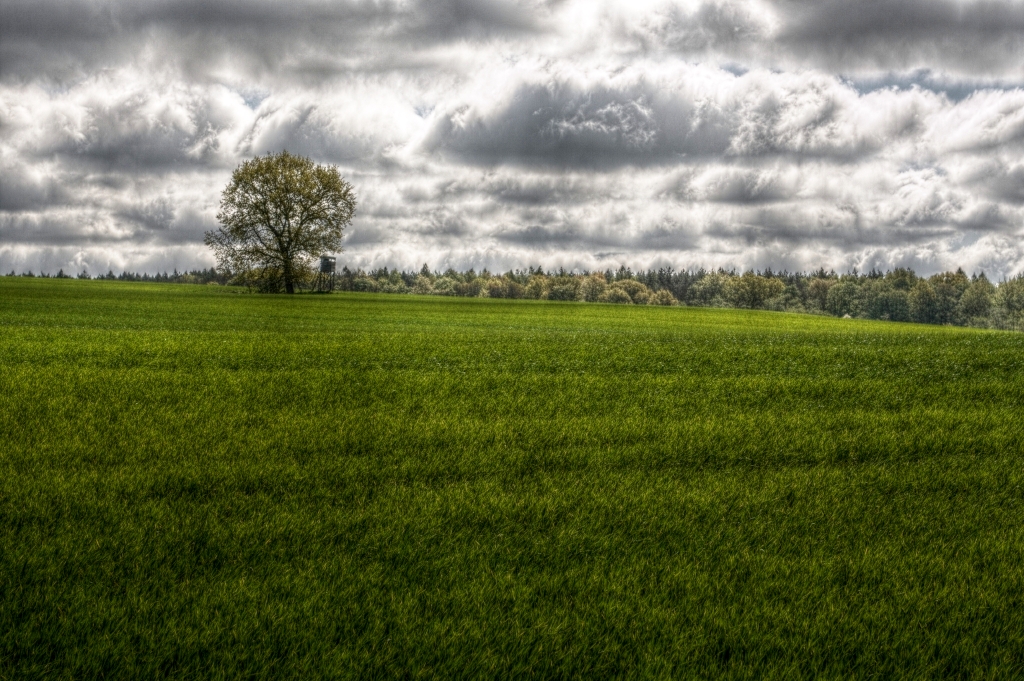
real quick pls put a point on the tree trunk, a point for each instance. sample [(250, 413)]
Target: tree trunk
[(289, 285)]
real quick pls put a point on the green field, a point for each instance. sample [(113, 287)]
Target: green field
[(197, 483)]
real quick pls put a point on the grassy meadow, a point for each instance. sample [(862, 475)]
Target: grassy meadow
[(196, 482)]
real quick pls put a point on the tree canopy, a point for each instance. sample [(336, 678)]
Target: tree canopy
[(279, 213)]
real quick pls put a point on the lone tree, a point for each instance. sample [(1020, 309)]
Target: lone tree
[(278, 214)]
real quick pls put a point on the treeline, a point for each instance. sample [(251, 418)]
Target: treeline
[(210, 276), (897, 295)]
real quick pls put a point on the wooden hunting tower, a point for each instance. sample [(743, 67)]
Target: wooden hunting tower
[(324, 281)]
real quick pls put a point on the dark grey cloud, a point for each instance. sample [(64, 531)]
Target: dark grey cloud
[(902, 21), (42, 21), (124, 137), (56, 230), (66, 40), (637, 118), (730, 185), (542, 190), (968, 37), (21, 192), (563, 124), (512, 189), (151, 223), (156, 215), (987, 217), (536, 235), (1008, 185), (665, 234), (793, 225), (981, 36)]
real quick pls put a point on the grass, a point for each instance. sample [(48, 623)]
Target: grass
[(199, 483)]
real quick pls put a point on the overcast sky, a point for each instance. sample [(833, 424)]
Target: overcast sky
[(506, 133)]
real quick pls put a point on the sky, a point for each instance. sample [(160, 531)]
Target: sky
[(502, 134)]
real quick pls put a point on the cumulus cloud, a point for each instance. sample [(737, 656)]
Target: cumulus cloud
[(506, 133)]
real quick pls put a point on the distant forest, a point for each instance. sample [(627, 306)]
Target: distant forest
[(952, 298)]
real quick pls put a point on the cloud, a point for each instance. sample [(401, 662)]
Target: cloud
[(973, 35), (969, 38), (27, 187), (1006, 184), (579, 119), (207, 39), (729, 27), (537, 235), (502, 133), (650, 113), (736, 186)]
